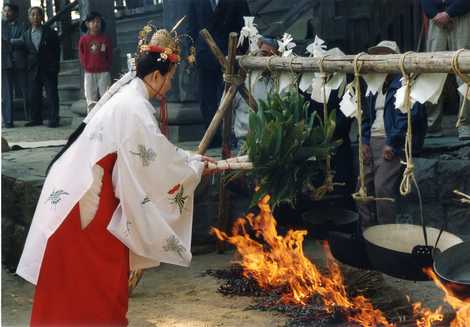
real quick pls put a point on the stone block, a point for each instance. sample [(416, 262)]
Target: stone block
[(425, 173), (458, 217), (452, 175)]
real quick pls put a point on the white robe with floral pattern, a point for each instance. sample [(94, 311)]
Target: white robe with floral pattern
[(153, 179)]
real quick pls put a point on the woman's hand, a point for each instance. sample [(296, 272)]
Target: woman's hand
[(206, 160)]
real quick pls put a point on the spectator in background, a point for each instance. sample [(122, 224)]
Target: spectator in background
[(13, 63), (43, 64), (220, 17), (383, 137), (96, 54), (261, 88), (449, 29)]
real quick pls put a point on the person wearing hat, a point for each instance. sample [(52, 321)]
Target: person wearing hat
[(383, 137), (96, 55), (449, 30), (260, 89)]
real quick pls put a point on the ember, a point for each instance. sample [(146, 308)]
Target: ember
[(278, 262)]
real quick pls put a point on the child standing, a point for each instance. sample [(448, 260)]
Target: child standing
[(95, 57)]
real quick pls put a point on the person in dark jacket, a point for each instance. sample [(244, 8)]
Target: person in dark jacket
[(220, 17), (13, 63), (43, 61), (449, 29), (383, 137)]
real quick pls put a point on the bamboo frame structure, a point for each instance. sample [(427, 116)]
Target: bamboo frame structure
[(431, 62)]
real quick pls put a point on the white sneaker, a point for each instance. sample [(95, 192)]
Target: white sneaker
[(464, 133)]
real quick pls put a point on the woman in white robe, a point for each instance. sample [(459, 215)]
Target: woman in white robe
[(119, 198)]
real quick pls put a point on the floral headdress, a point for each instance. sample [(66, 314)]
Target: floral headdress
[(167, 43)]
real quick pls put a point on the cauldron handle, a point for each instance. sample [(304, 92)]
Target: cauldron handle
[(444, 226), (420, 200)]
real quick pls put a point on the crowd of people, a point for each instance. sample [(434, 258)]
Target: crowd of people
[(31, 63)]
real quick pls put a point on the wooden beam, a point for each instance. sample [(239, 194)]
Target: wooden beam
[(224, 195), (427, 62), (223, 63), (217, 119)]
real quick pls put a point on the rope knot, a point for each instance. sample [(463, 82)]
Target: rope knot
[(233, 79)]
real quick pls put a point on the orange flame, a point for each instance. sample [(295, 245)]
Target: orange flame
[(280, 261), (462, 308), (426, 316)]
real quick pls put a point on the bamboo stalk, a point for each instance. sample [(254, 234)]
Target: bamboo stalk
[(223, 63), (217, 119), (223, 165), (425, 62), (224, 196)]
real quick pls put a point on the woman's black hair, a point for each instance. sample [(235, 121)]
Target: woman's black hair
[(75, 134), (148, 62)]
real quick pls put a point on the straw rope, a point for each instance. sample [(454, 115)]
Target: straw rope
[(465, 79), (408, 174), (328, 185), (361, 194)]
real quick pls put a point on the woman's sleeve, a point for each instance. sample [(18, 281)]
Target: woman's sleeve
[(155, 182)]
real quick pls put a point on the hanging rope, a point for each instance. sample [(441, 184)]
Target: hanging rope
[(294, 77), (274, 75), (408, 175), (361, 194), (465, 79), (328, 185)]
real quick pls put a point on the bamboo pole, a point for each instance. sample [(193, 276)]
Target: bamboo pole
[(426, 62), (217, 119), (223, 63), (224, 196)]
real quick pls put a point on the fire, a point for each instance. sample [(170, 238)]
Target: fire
[(426, 316), (462, 308), (279, 261)]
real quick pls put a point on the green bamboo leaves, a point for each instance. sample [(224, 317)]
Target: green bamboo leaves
[(288, 145)]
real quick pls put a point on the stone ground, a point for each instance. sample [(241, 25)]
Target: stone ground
[(174, 296)]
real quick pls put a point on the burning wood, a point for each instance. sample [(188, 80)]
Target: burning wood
[(277, 262), (462, 308), (274, 268)]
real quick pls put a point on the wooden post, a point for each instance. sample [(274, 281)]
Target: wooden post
[(223, 63), (224, 196), (217, 119)]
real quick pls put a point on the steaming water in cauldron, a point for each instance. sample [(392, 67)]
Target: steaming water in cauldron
[(390, 248)]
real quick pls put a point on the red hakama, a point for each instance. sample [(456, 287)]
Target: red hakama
[(84, 273)]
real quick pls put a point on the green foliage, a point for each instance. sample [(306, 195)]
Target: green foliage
[(288, 146)]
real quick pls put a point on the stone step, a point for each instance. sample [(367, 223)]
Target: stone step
[(71, 64), (69, 92), (74, 79)]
